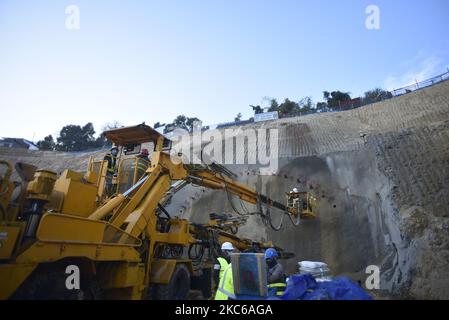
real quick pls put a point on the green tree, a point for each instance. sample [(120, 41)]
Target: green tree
[(70, 138), (88, 139), (47, 144), (335, 98), (257, 109), (321, 106), (185, 123), (376, 95), (101, 141), (306, 105), (180, 122), (274, 105), (238, 117), (190, 122), (76, 138), (288, 107), (158, 125)]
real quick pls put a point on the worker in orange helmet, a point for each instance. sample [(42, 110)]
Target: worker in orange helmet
[(144, 154), (142, 163)]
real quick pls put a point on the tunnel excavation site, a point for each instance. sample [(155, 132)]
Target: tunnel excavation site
[(380, 176)]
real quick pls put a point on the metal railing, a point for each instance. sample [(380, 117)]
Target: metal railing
[(348, 105), (420, 85)]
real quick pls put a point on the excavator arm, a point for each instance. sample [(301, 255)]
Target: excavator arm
[(216, 180), (134, 211)]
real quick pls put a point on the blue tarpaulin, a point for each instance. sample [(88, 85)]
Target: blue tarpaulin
[(305, 287)]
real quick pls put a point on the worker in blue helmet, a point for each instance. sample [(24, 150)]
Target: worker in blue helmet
[(276, 274)]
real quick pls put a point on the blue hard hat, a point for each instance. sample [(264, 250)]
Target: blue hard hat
[(270, 253)]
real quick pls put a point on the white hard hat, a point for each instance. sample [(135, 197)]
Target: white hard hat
[(227, 246), (295, 190)]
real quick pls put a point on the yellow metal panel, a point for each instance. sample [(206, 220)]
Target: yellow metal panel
[(122, 275), (162, 270), (56, 200), (48, 252), (42, 185), (179, 233), (72, 229), (58, 227), (70, 174), (80, 199), (12, 276)]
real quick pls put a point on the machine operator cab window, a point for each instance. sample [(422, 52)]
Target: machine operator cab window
[(132, 166), (134, 156)]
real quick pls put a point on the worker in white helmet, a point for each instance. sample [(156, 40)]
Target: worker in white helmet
[(292, 198), (224, 263), (111, 159), (225, 258)]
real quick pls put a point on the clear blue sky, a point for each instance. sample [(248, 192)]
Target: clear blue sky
[(136, 61)]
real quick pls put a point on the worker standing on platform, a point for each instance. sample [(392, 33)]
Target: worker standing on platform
[(142, 163), (144, 154), (276, 274), (111, 158)]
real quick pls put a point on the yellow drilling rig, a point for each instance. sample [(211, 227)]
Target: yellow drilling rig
[(125, 245)]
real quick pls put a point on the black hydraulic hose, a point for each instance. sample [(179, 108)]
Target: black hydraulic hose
[(164, 211), (297, 221), (196, 253), (265, 200), (246, 212), (271, 222)]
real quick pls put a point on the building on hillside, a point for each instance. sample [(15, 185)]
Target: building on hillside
[(18, 143)]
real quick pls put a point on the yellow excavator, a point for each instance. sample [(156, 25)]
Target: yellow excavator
[(125, 245)]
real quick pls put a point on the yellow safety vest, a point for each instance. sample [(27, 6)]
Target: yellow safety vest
[(142, 166), (223, 265), (279, 287), (111, 162), (226, 286)]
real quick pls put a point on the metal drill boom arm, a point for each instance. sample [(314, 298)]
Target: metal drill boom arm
[(134, 210), (216, 180)]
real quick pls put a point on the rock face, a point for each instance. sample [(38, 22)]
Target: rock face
[(381, 177)]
